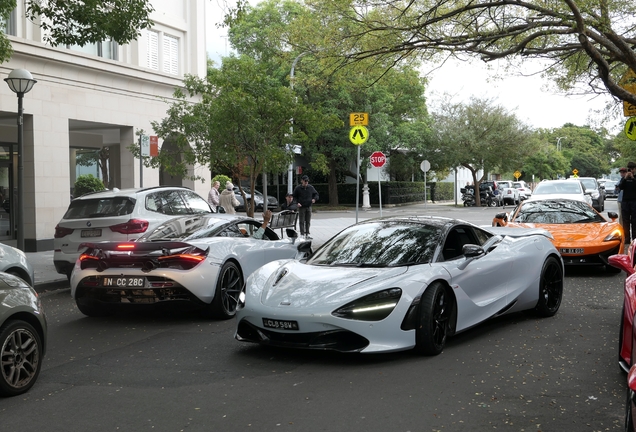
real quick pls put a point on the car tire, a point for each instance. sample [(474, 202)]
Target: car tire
[(21, 352), (91, 310), (228, 289), (550, 288), (493, 203), (434, 316)]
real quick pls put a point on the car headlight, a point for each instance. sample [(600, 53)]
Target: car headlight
[(614, 235), (373, 307)]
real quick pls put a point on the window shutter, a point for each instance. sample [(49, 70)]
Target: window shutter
[(152, 57), (170, 54)]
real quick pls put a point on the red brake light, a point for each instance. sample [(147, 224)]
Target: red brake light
[(62, 232), (126, 246), (133, 226)]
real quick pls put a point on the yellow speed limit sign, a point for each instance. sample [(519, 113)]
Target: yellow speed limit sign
[(358, 135)]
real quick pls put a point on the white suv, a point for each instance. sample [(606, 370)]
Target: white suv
[(119, 215)]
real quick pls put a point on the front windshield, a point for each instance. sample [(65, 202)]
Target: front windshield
[(557, 212), (380, 244)]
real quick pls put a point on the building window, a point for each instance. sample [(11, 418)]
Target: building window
[(106, 49), (152, 57), (170, 54), (167, 56), (9, 24)]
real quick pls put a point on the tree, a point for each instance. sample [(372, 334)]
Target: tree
[(584, 148), (99, 157), (586, 42), (545, 162), (481, 136), (75, 22), (238, 127), (395, 102), (87, 183)]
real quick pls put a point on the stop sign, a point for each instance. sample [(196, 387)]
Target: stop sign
[(377, 159)]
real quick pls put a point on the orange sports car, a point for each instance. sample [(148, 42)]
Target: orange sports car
[(581, 234)]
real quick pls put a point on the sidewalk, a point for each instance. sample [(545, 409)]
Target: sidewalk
[(324, 225)]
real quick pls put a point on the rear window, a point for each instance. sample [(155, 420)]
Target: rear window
[(100, 207)]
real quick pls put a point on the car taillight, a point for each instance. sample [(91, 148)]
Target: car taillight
[(133, 226), (62, 232)]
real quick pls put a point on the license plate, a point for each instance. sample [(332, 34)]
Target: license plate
[(123, 282), (280, 324), (571, 251), (91, 233)]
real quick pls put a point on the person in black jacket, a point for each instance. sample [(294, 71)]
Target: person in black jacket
[(289, 204), (305, 195), (628, 204)]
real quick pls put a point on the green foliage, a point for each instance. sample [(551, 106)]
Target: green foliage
[(87, 183), (222, 179)]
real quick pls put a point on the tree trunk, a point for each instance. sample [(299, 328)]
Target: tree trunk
[(333, 184)]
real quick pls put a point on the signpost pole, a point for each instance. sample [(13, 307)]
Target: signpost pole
[(141, 162), (358, 184), (380, 191)]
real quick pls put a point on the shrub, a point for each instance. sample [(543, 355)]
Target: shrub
[(87, 183), (222, 179)]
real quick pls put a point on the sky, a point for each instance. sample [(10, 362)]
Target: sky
[(524, 96)]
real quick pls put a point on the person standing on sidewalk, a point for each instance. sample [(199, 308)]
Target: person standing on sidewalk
[(213, 196), (628, 203), (619, 197), (227, 200), (305, 195)]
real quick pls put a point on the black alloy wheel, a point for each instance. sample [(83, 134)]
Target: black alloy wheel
[(550, 288), (228, 289), (20, 357), (435, 312)]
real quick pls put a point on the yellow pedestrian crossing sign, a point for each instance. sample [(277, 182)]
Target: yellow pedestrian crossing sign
[(358, 135), (630, 128)]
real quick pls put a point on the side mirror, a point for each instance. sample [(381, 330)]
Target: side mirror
[(220, 209), (612, 215), (291, 233), (472, 250), (621, 262)]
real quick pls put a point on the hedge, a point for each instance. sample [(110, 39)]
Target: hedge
[(393, 192)]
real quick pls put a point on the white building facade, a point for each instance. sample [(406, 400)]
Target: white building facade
[(90, 98)]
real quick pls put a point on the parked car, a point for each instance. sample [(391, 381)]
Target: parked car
[(595, 191), (119, 215), (399, 283), (524, 190), (510, 194), (15, 262), (23, 329), (272, 202), (581, 234), (561, 189), (610, 189), (189, 262)]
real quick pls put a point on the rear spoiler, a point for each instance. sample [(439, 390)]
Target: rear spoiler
[(135, 246), (519, 232)]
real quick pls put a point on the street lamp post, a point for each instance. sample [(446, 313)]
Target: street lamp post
[(20, 81), (559, 142), (290, 172)]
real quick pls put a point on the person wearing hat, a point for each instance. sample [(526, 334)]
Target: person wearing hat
[(227, 200), (289, 204), (305, 195)]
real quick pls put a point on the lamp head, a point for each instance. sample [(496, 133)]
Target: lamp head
[(20, 81)]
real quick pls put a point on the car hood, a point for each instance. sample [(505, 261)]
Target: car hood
[(295, 284)]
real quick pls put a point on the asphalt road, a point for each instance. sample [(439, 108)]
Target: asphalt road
[(173, 372)]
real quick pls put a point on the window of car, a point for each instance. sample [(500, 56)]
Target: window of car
[(380, 244), (168, 202), (195, 202), (589, 183), (99, 207)]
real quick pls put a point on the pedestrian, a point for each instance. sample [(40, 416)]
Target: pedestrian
[(289, 204), (267, 216), (213, 195), (619, 197), (628, 202), (227, 200), (305, 195), (433, 192)]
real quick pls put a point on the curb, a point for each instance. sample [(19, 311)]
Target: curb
[(54, 285)]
